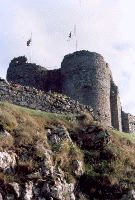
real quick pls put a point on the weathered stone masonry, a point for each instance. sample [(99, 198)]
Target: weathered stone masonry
[(35, 99), (115, 106), (128, 123), (84, 76)]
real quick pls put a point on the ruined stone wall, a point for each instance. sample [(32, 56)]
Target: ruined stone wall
[(125, 122), (128, 123), (28, 74), (52, 81), (115, 107), (32, 98), (86, 78)]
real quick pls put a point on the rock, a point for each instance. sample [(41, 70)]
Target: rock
[(10, 197), (72, 196), (36, 191), (59, 134), (53, 185), (54, 139), (62, 132), (48, 131), (28, 190), (61, 188), (5, 133), (8, 162), (94, 138), (47, 160), (46, 189), (36, 175), (16, 188), (127, 197), (1, 198), (78, 168)]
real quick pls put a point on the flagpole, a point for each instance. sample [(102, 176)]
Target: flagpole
[(76, 45), (31, 49), (75, 36)]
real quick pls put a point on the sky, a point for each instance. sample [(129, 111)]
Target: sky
[(102, 26)]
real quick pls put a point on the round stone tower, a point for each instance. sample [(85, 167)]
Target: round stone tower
[(86, 78)]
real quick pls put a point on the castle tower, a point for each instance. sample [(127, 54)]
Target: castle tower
[(115, 106), (86, 78)]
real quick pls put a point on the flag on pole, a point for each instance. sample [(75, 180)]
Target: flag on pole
[(70, 34), (74, 33), (28, 42)]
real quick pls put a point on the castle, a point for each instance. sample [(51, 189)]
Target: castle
[(84, 76)]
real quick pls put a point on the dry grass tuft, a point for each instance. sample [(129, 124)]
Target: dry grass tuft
[(84, 119), (6, 143)]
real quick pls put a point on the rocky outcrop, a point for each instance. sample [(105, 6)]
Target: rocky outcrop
[(60, 162), (93, 136), (50, 182), (57, 135), (47, 183)]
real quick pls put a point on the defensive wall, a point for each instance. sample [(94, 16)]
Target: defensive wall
[(84, 76), (32, 75), (45, 101), (128, 123), (115, 106)]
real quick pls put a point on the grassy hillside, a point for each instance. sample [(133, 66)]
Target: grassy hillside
[(110, 169)]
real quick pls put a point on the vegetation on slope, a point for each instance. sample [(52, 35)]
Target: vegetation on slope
[(109, 170)]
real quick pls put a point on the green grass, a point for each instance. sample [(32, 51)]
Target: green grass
[(126, 135)]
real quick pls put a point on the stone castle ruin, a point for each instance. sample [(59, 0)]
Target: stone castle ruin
[(84, 76)]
